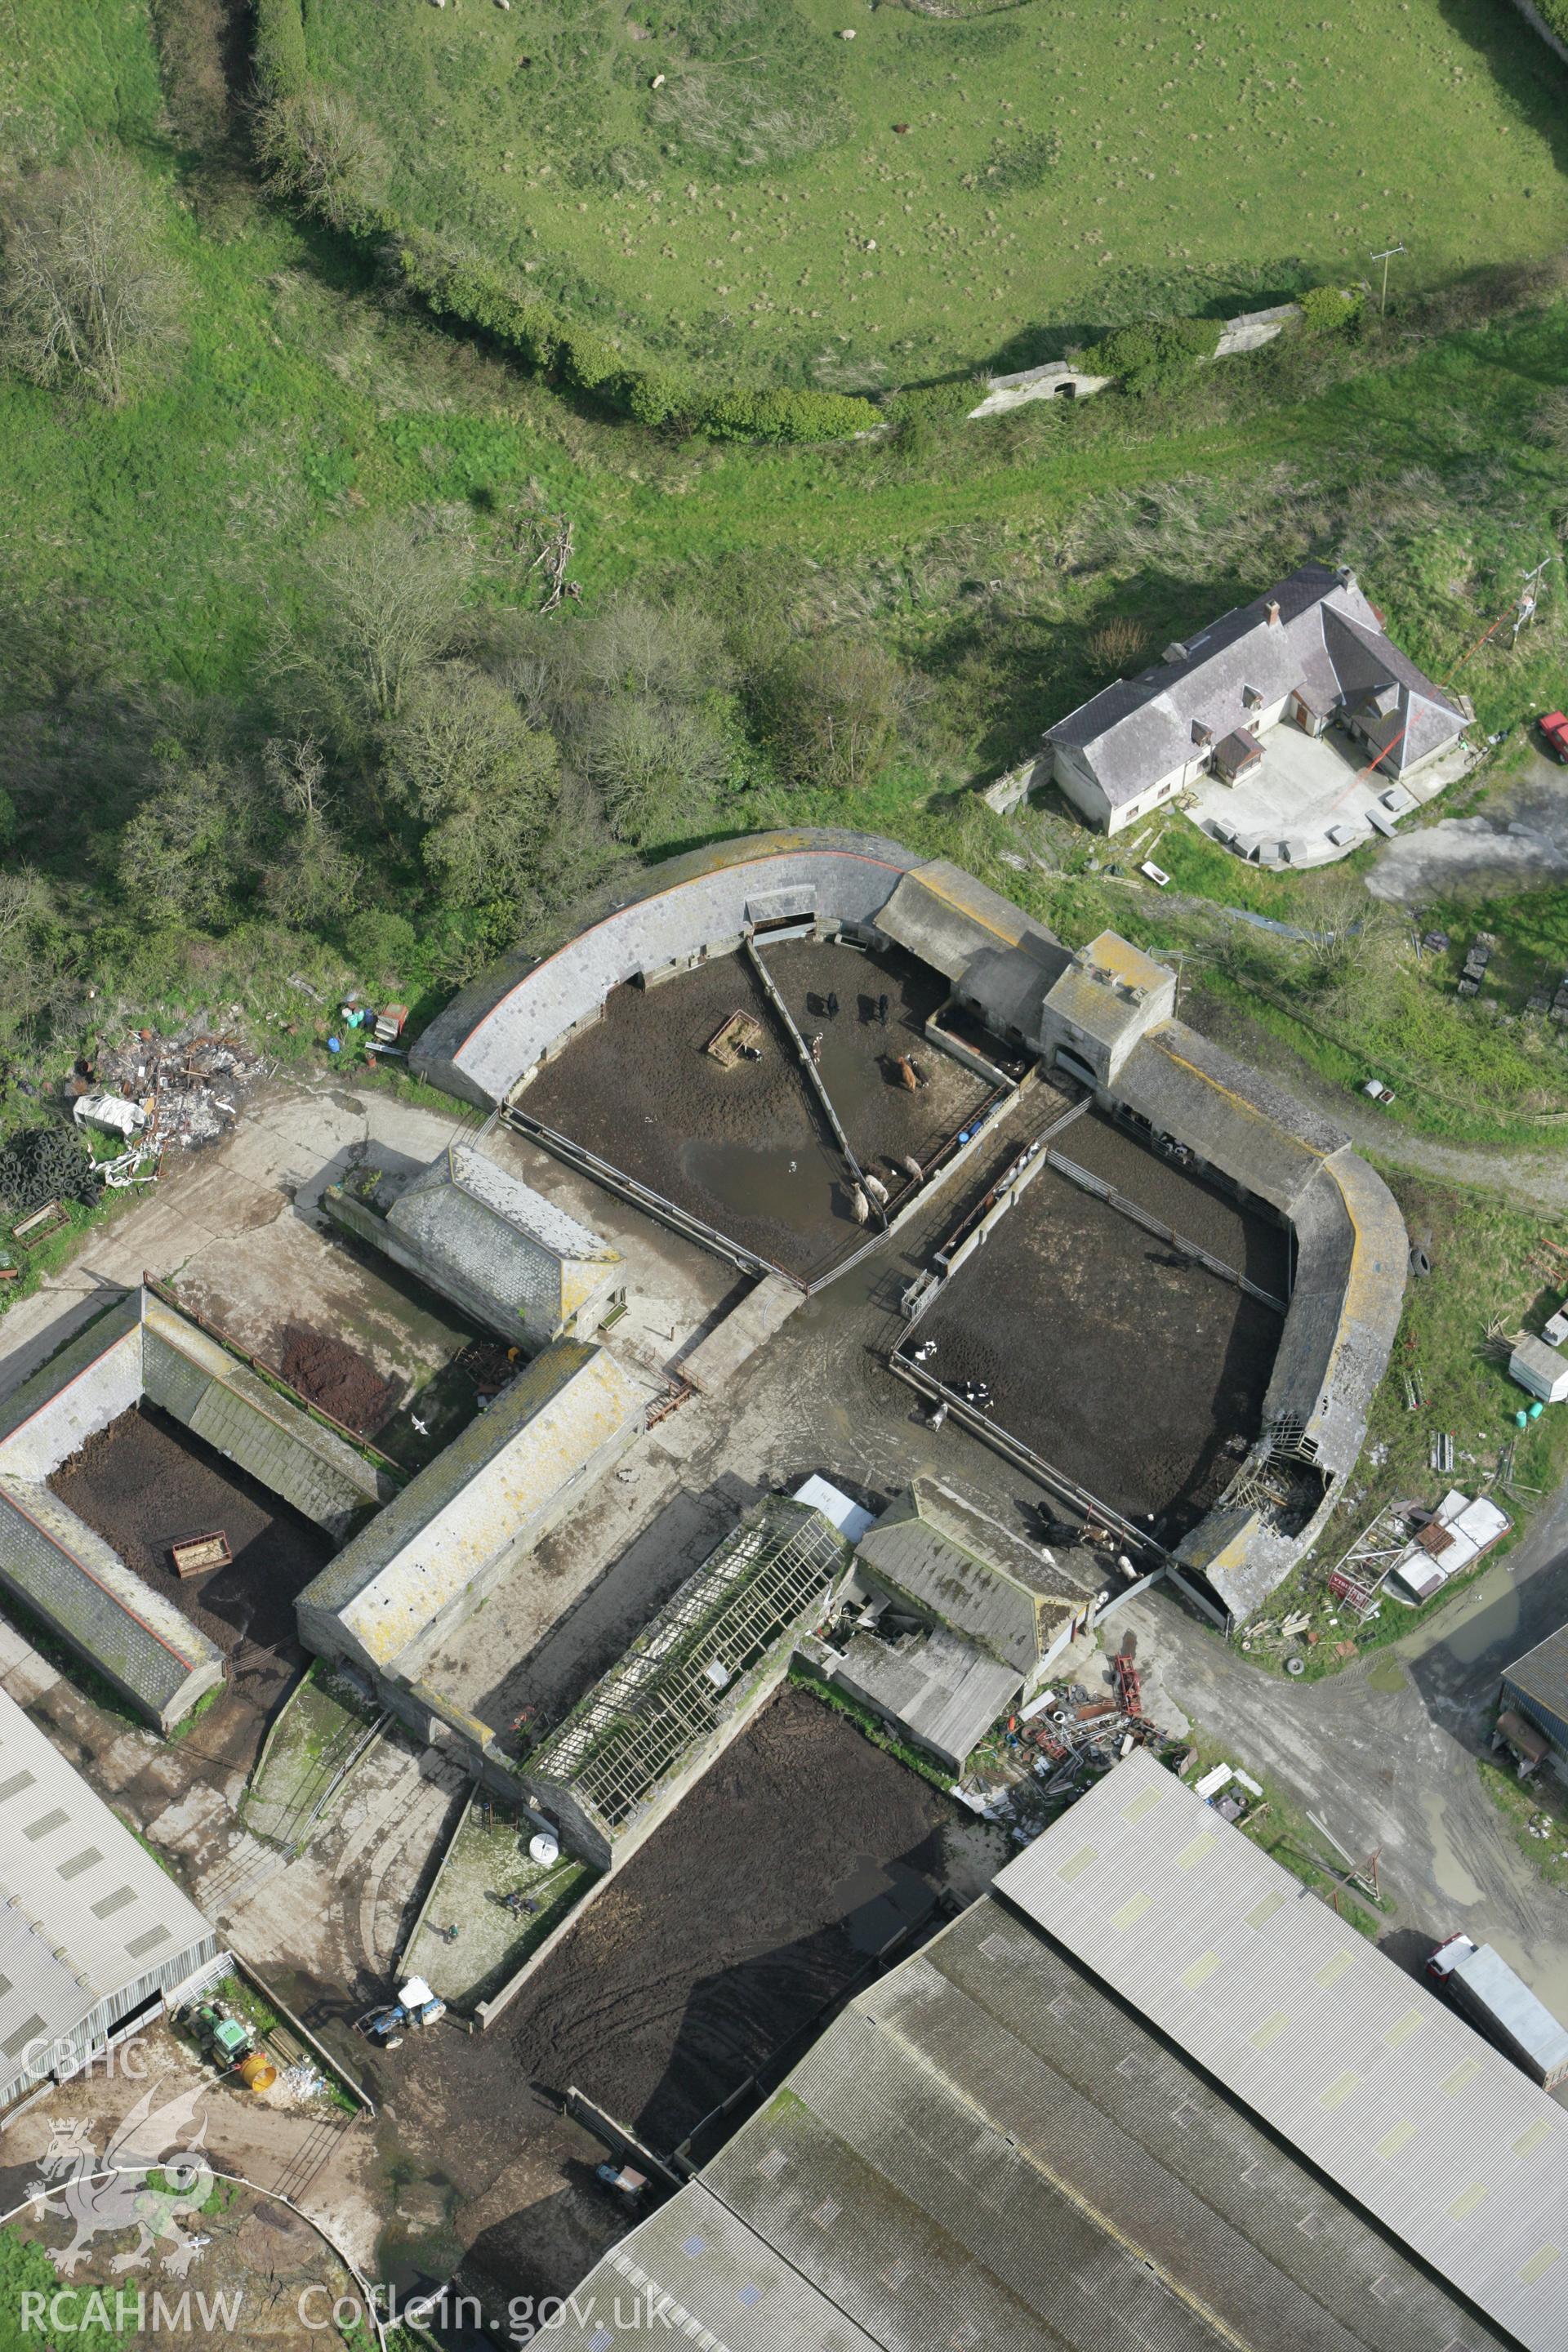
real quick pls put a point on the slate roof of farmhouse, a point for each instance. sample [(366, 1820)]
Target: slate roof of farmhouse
[(1327, 643)]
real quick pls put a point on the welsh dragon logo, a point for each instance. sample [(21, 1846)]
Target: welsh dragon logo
[(150, 2176)]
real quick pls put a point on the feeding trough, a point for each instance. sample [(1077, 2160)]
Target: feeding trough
[(738, 1039), (198, 1554)]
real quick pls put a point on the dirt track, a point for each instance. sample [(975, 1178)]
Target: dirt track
[(757, 1901)]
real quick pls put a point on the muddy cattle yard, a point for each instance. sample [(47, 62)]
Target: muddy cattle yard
[(145, 1482), (760, 1900), (1115, 1359), (1197, 1209), (745, 1147)]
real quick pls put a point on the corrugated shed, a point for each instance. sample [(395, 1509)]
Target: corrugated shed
[(89, 1922), (1539, 1681), (1317, 2033), (493, 1486), (986, 2150), (945, 1691)]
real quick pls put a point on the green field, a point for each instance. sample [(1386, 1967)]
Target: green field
[(1058, 168)]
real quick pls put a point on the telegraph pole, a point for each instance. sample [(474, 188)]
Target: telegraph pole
[(1385, 257), (1528, 595)]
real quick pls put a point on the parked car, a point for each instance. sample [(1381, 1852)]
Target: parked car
[(1554, 735)]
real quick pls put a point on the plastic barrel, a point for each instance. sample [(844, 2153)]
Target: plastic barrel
[(257, 2073)]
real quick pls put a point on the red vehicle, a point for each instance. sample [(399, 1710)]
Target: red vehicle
[(1554, 735)]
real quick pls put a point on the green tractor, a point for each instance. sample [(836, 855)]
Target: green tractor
[(230, 2043)]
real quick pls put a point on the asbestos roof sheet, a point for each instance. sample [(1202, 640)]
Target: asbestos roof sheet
[(948, 919), (695, 2272), (84, 1912), (986, 2150), (1231, 1115), (1357, 2067), (946, 1692)]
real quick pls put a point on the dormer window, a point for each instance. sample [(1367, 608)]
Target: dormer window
[(1251, 699), (1203, 736)]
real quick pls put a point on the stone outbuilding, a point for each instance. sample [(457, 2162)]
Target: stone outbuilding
[(508, 1256)]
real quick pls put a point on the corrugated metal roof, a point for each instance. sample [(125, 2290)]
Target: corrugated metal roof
[(1355, 2065), (985, 2150), (945, 1692), (84, 1911), (1487, 1975), (1542, 1674)]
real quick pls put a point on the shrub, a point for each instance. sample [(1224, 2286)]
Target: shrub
[(1152, 355), (281, 66), (1118, 645), (315, 149), (787, 415), (1326, 308), (379, 944)]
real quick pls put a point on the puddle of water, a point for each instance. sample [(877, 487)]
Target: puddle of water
[(1486, 1619), (1543, 1967), (1452, 1878), (792, 1182)]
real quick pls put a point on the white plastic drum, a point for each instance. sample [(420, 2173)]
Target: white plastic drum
[(544, 1849)]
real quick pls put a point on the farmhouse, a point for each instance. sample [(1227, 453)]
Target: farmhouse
[(1310, 653)]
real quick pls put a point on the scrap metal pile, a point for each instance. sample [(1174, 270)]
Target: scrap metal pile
[(190, 1085), (1074, 1734)]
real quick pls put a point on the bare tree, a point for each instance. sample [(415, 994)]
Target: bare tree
[(384, 599), (296, 768), (85, 290)]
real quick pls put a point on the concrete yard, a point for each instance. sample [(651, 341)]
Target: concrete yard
[(747, 1149), (487, 1860), (760, 1900), (1110, 1356), (1306, 803)]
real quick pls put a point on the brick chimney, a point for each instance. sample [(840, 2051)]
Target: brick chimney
[(1271, 612)]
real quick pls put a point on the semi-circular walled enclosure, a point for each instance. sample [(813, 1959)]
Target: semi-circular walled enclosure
[(1102, 1016)]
